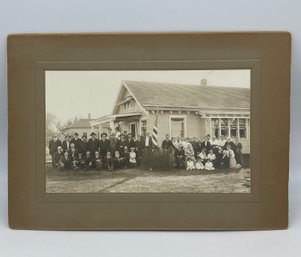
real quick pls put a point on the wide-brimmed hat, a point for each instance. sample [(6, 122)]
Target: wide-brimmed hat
[(93, 134), (75, 134), (104, 133)]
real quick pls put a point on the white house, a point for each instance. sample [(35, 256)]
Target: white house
[(182, 110)]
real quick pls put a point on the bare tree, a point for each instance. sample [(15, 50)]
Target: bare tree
[(51, 127)]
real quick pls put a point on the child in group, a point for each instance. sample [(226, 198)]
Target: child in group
[(132, 157), (88, 161), (81, 161), (202, 155), (190, 165), (109, 161), (212, 157), (209, 165), (126, 156), (199, 165), (98, 164), (119, 161), (66, 162), (58, 157)]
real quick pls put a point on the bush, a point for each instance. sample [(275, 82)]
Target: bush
[(156, 161)]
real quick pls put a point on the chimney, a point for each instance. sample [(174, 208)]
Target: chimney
[(89, 116), (203, 82)]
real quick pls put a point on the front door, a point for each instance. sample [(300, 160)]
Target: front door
[(133, 129)]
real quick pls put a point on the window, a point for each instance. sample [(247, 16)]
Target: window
[(129, 105), (177, 126), (224, 127), (233, 127), (132, 104), (234, 124), (215, 127), (242, 128)]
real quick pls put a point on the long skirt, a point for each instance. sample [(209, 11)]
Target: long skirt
[(233, 163)]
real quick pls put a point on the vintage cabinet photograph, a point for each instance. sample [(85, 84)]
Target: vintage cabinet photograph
[(152, 131)]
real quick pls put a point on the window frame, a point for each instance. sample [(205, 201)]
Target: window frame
[(178, 117)]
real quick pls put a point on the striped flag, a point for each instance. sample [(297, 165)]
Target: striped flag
[(155, 131)]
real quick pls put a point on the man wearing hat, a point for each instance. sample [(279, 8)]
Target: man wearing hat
[(93, 144), (53, 147), (104, 145), (76, 141)]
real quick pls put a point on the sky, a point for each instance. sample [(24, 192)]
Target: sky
[(71, 94)]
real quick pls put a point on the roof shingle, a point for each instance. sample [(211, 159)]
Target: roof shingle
[(81, 123), (190, 96)]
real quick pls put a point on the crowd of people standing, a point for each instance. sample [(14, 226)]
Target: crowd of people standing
[(118, 150)]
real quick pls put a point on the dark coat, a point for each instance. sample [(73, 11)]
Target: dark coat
[(83, 147), (238, 153), (166, 144), (206, 145), (53, 146), (65, 146), (57, 157), (104, 147), (231, 144), (225, 163), (196, 147), (113, 142), (93, 145), (139, 145), (130, 143), (120, 146), (88, 161), (66, 162), (218, 159), (77, 143), (73, 155)]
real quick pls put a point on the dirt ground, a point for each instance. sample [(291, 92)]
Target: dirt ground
[(142, 181)]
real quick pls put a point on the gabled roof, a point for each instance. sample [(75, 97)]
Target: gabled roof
[(81, 123), (150, 94)]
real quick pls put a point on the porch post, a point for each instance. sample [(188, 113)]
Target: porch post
[(229, 128), (219, 127), (238, 129)]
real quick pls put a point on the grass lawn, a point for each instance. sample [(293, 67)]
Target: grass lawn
[(143, 181)]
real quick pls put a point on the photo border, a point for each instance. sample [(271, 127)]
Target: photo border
[(181, 197), (269, 55)]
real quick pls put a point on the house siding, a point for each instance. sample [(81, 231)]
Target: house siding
[(195, 125), (121, 109)]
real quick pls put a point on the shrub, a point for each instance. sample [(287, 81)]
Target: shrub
[(156, 161)]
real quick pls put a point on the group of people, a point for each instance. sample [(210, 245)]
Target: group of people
[(120, 151), (207, 154)]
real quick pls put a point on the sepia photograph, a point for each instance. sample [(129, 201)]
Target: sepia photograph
[(148, 131)]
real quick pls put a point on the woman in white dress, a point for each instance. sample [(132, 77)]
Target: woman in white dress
[(233, 163)]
